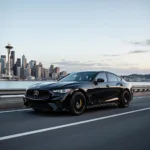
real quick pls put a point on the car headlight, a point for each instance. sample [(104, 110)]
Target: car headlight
[(62, 91)]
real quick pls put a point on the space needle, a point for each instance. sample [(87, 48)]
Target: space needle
[(8, 47)]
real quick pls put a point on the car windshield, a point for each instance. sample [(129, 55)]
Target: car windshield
[(80, 76)]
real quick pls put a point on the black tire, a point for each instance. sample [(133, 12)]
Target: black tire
[(124, 99), (77, 103)]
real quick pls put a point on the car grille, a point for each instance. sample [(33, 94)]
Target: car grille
[(38, 94)]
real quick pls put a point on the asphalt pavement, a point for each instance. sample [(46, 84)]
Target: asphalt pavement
[(104, 128)]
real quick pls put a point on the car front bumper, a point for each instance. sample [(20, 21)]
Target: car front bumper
[(53, 104)]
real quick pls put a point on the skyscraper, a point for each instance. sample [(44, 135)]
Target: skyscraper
[(43, 72), (0, 69), (51, 69), (32, 63), (3, 64), (63, 73), (18, 71), (27, 71), (38, 71), (33, 71), (46, 72), (23, 61), (40, 64), (57, 70), (13, 57), (18, 62), (15, 69)]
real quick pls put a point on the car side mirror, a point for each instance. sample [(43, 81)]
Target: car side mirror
[(100, 80)]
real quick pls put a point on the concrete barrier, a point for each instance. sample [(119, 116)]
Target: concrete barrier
[(11, 103)]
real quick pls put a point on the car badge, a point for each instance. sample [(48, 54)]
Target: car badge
[(36, 93)]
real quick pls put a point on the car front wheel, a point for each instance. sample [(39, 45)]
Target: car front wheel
[(77, 103)]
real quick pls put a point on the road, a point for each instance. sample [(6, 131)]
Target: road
[(105, 128)]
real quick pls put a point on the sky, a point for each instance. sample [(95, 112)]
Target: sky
[(79, 35)]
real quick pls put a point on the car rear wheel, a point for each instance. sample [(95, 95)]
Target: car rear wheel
[(77, 103), (124, 99)]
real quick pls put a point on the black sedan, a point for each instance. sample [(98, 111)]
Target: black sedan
[(79, 91)]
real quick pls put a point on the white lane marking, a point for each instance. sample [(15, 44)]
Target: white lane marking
[(69, 125), (8, 111)]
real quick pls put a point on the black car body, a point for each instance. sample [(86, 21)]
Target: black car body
[(78, 91)]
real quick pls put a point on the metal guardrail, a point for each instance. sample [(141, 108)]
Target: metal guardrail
[(141, 88), (12, 92)]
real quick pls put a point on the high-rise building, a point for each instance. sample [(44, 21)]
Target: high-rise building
[(40, 64), (22, 75), (33, 71), (15, 69), (0, 68), (11, 72), (13, 56), (51, 69), (43, 72), (3, 64), (18, 62), (46, 72), (63, 73), (27, 71), (54, 76), (57, 70), (18, 71), (32, 63), (38, 71), (23, 61)]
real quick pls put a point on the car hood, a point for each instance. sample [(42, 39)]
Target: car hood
[(57, 85)]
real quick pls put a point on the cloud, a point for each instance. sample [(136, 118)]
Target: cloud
[(79, 64), (111, 55), (92, 65), (138, 51), (142, 43)]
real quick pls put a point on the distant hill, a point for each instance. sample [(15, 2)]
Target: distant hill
[(147, 76), (137, 77)]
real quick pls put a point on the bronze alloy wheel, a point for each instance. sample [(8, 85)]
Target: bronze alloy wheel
[(77, 103)]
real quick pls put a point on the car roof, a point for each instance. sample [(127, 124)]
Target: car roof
[(94, 72)]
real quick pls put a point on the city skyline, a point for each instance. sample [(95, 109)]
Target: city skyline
[(79, 35), (22, 68)]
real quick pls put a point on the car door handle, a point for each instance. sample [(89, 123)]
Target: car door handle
[(107, 85), (119, 84)]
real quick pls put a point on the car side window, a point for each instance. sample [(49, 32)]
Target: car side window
[(112, 77), (102, 75)]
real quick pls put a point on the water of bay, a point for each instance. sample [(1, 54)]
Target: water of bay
[(26, 84)]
